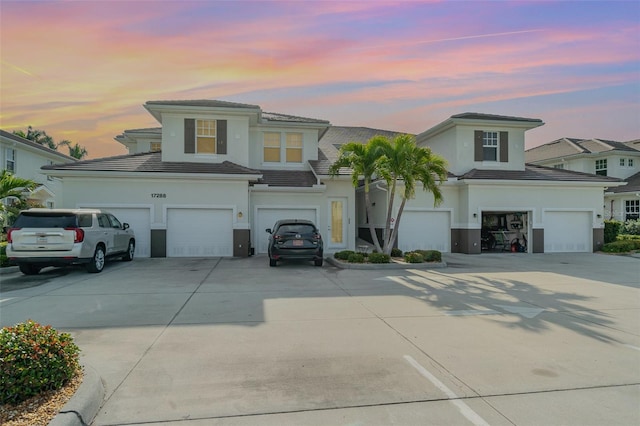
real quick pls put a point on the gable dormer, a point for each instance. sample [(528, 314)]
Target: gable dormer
[(480, 141)]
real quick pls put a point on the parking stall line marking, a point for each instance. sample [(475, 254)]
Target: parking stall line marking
[(6, 300), (464, 409), (632, 347)]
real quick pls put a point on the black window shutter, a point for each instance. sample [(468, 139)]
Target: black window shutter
[(221, 136), (477, 143), (504, 147), (189, 136)]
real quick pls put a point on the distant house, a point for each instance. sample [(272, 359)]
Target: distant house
[(601, 157), (24, 158), (216, 174)]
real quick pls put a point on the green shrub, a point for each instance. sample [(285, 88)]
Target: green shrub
[(4, 260), (430, 255), (413, 257), (344, 254), (622, 246), (611, 230), (396, 252), (34, 359), (629, 237), (355, 258), (379, 258), (631, 227)]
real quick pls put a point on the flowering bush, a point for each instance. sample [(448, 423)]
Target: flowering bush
[(413, 257), (33, 359)]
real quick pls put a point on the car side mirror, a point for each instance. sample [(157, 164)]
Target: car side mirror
[(268, 230), (125, 226)]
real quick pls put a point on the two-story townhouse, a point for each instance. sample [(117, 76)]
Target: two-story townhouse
[(492, 198), (216, 174), (212, 179), (601, 157), (24, 158)]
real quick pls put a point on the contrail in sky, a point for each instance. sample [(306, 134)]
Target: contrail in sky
[(479, 36), (17, 68)]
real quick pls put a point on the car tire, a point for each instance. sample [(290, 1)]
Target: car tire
[(273, 262), (97, 261), (318, 262), (30, 269), (128, 257)]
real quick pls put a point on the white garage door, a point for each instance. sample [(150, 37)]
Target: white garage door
[(199, 232), (267, 217), (420, 230), (139, 219), (567, 232)]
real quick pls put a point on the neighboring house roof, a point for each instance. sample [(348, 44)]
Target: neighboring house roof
[(633, 185), (494, 117), (533, 172), (566, 147), (35, 145), (151, 162), (336, 136)]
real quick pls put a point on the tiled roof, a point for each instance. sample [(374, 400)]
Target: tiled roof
[(480, 116), (533, 172), (36, 145), (272, 116), (151, 162), (288, 178), (209, 103), (571, 146), (633, 185), (337, 136)]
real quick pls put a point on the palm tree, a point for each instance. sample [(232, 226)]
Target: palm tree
[(75, 151), (406, 163), (13, 186), (363, 160), (38, 136)]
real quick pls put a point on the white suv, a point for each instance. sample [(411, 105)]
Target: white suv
[(58, 237)]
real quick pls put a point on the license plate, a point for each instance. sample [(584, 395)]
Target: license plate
[(298, 243), (42, 240)]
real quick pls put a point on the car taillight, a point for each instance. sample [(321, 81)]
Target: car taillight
[(277, 237), (79, 236), (317, 237), (9, 239)]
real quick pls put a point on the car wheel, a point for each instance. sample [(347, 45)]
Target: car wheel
[(318, 262), (272, 262), (130, 251), (97, 261), (30, 269)]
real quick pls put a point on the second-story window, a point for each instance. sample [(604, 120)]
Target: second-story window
[(601, 167), (271, 147), (622, 162), (558, 166), (630, 162), (294, 147), (10, 163), (490, 146), (206, 136)]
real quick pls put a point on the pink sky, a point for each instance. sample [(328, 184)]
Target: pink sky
[(81, 70)]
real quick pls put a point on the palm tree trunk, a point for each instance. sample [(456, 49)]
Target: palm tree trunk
[(387, 227), (372, 230), (395, 229)]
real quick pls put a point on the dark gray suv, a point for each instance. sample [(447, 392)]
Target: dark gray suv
[(295, 239)]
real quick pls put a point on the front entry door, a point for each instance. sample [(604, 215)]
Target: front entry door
[(337, 235)]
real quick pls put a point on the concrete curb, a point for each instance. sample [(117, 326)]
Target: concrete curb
[(84, 404), (9, 270), (381, 266)]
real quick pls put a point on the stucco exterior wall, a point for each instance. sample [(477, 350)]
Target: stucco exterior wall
[(237, 139)]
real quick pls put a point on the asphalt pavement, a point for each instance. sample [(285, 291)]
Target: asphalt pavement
[(499, 339)]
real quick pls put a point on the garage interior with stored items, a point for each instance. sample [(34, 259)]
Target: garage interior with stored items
[(505, 232)]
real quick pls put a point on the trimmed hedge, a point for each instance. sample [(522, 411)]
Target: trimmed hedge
[(355, 258), (413, 257), (430, 255), (611, 230), (396, 252), (379, 258), (622, 246), (35, 359), (344, 254)]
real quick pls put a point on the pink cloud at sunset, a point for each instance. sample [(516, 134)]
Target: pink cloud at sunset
[(81, 70)]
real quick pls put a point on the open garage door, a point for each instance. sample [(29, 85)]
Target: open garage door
[(267, 217), (567, 232), (199, 232), (425, 230)]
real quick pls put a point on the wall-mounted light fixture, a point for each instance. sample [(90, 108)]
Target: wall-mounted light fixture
[(475, 215), (239, 215), (599, 216)]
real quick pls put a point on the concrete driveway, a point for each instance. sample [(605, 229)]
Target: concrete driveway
[(497, 339)]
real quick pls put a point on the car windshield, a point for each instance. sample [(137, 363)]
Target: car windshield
[(45, 220), (296, 228)]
